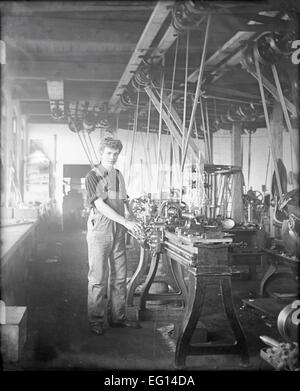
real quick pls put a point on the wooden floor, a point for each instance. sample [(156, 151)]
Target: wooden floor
[(58, 335)]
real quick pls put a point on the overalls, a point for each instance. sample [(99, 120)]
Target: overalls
[(107, 260)]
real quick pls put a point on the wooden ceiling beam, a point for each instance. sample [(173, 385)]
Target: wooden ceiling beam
[(43, 70), (20, 8), (41, 28), (231, 52), (154, 24), (228, 92), (27, 91), (273, 91), (221, 54), (44, 119), (35, 108)]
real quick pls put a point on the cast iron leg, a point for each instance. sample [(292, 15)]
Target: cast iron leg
[(172, 280), (271, 270), (192, 313), (149, 280), (137, 276), (179, 279), (233, 320)]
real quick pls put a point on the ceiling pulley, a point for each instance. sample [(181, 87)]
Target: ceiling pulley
[(187, 16), (127, 99), (143, 76), (57, 111), (271, 47), (248, 112), (247, 61), (89, 121), (243, 113), (233, 114), (75, 124), (195, 7)]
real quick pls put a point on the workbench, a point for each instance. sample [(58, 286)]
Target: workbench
[(252, 255), (18, 244), (206, 263), (13, 236)]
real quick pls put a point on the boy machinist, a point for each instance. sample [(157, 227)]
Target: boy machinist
[(106, 230)]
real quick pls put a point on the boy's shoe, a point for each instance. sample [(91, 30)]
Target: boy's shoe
[(97, 329)]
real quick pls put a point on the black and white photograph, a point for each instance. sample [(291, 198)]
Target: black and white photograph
[(150, 216)]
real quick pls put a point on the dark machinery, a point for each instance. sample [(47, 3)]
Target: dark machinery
[(253, 202), (288, 321), (285, 355), (287, 216)]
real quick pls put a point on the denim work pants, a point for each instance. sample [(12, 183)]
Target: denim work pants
[(107, 269)]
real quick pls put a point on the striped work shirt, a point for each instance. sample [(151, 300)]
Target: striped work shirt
[(107, 185)]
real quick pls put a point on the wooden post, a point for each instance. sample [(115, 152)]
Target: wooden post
[(237, 212)]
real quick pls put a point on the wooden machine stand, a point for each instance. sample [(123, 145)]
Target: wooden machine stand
[(205, 263)]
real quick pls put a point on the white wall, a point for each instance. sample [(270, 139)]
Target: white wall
[(70, 151), (259, 157), (142, 178)]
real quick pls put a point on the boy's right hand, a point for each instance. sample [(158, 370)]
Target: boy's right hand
[(134, 226)]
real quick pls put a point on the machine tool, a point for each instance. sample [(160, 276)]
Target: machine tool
[(284, 355)]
